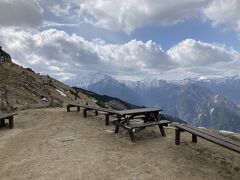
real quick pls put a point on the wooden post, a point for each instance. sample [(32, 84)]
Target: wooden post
[(78, 108), (2, 122), (84, 113), (76, 94), (107, 119), (145, 119), (177, 136), (68, 108), (116, 125), (194, 138), (162, 130), (131, 135), (11, 124), (96, 112)]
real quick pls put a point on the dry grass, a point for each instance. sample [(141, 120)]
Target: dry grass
[(54, 144)]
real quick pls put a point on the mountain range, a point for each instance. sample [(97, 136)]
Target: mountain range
[(212, 103)]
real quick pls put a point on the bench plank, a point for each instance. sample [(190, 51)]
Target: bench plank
[(220, 140), (7, 115), (138, 111), (162, 122), (91, 107), (215, 135)]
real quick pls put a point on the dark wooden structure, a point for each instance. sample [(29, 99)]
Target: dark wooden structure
[(150, 117), (9, 117), (86, 108), (215, 138), (123, 119)]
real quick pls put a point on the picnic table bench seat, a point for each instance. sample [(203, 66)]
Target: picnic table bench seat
[(132, 127), (140, 125), (107, 112), (212, 137), (9, 117)]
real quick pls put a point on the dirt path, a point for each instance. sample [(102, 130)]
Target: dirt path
[(54, 144)]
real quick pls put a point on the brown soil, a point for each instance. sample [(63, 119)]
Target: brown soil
[(55, 144)]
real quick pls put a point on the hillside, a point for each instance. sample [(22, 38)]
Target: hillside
[(22, 88), (228, 87), (107, 101)]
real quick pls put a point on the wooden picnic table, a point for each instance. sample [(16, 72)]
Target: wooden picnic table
[(149, 115)]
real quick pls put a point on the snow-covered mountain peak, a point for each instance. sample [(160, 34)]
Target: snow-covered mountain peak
[(86, 79)]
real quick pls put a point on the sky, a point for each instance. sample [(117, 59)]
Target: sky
[(127, 39)]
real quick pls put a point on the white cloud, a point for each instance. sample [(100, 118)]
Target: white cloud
[(115, 15), (56, 52), (196, 58), (63, 56), (21, 13), (196, 53), (222, 12), (128, 15)]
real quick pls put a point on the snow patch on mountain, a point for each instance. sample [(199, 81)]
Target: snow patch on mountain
[(61, 93), (211, 111), (87, 79)]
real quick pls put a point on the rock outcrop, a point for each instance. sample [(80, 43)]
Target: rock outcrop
[(4, 57)]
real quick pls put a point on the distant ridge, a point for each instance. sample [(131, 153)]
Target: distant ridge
[(212, 103)]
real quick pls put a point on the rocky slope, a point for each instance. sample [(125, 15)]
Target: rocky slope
[(22, 88)]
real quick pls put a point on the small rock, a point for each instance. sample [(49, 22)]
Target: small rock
[(65, 139)]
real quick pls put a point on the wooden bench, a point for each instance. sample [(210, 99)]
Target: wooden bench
[(132, 127), (215, 138), (107, 112), (10, 117)]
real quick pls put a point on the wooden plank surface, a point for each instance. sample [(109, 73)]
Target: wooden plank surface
[(122, 112), (213, 139), (91, 107), (162, 122), (215, 135), (3, 116), (138, 111)]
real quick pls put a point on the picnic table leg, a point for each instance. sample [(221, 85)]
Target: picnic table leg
[(96, 112), (194, 138), (68, 108), (162, 130), (131, 135), (177, 136), (145, 119), (116, 125), (11, 125), (2, 122), (84, 113), (156, 115), (78, 109), (107, 119)]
